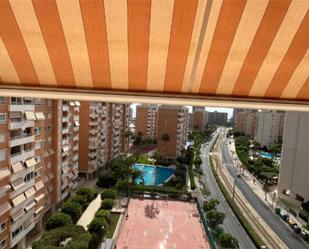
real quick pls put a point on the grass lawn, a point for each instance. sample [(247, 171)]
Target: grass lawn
[(113, 224)]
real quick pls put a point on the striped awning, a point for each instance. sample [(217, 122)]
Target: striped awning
[(250, 49)]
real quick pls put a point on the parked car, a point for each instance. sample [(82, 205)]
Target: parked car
[(285, 217), (296, 228)]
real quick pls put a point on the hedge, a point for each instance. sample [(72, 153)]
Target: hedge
[(51, 239), (73, 209), (243, 221), (103, 213), (107, 203), (58, 220), (108, 193), (89, 193)]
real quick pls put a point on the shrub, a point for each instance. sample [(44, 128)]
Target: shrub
[(107, 204), (228, 241), (73, 209), (98, 226), (107, 178), (109, 193), (80, 199), (58, 220), (105, 214), (51, 239), (304, 215), (89, 193), (215, 218), (211, 204)]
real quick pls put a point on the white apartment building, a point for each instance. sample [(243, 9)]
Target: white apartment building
[(294, 169), (267, 127)]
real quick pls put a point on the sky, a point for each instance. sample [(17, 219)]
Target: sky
[(209, 109)]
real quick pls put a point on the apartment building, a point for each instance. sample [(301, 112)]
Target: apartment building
[(267, 127), (27, 179), (173, 122), (199, 118), (119, 115), (66, 144), (146, 120), (94, 137), (235, 111), (294, 170), (245, 122), (281, 122), (217, 118)]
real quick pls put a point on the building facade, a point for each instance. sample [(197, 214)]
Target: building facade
[(103, 128), (245, 122), (267, 127), (217, 118), (146, 120), (199, 118), (27, 157), (294, 170), (173, 122)]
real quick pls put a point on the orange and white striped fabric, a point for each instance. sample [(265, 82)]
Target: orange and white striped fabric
[(235, 48)]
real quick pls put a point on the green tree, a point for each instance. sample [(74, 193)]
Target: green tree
[(89, 193), (81, 199), (73, 209), (98, 226), (108, 193), (105, 214), (107, 204), (227, 241), (106, 178), (157, 156), (211, 204), (215, 218), (58, 220)]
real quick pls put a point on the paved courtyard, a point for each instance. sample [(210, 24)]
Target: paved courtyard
[(162, 225)]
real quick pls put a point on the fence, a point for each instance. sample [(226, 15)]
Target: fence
[(204, 221)]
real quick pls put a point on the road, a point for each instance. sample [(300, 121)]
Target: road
[(231, 224), (275, 223)]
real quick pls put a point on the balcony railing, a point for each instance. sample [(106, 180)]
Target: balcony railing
[(21, 139)]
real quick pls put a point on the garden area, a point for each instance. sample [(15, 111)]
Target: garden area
[(249, 153), (62, 231)]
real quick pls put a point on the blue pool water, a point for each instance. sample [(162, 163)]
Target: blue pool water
[(266, 155), (150, 176)]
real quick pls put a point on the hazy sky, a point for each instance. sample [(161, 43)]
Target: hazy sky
[(209, 109)]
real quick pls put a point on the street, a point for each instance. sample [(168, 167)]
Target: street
[(275, 223), (231, 224)]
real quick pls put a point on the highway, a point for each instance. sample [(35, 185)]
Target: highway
[(275, 223), (231, 224)]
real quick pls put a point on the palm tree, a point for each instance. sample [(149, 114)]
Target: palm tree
[(165, 137)]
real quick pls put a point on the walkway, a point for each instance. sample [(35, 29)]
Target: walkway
[(89, 213)]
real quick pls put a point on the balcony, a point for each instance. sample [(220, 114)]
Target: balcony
[(21, 139), (21, 156), (22, 234), (19, 107), (65, 108), (20, 124), (23, 187), (75, 138), (76, 129), (75, 158), (65, 130), (93, 122)]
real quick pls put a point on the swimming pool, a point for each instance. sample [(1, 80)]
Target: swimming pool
[(150, 175), (266, 155)]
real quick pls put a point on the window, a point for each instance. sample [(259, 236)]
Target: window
[(29, 177), (2, 117), (2, 137), (37, 145), (17, 231), (2, 227), (3, 244), (2, 155), (38, 159), (37, 130), (49, 127), (1, 100)]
